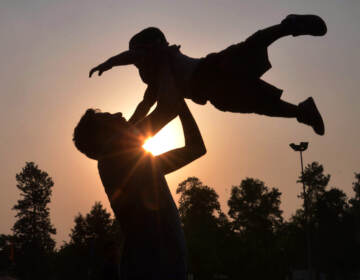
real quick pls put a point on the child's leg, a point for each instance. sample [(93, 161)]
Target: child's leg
[(260, 97), (280, 109), (295, 25), (265, 37), (306, 112)]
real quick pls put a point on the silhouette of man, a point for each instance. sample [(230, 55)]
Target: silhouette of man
[(111, 262), (136, 187)]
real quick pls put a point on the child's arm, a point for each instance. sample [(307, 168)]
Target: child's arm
[(124, 58), (145, 105)]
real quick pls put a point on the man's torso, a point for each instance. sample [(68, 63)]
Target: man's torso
[(146, 211)]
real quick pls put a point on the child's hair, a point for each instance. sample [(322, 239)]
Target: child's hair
[(150, 35), (88, 134)]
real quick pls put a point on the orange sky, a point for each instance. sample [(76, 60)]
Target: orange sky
[(49, 47)]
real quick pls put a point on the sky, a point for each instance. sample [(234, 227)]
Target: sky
[(48, 48)]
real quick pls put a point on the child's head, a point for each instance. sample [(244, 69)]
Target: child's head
[(96, 128), (150, 36)]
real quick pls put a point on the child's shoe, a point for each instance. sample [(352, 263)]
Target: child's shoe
[(310, 115), (305, 25)]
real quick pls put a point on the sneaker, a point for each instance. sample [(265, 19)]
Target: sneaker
[(305, 25), (310, 115)]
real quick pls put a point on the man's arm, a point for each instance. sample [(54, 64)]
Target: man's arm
[(124, 58), (168, 98), (144, 106), (193, 149)]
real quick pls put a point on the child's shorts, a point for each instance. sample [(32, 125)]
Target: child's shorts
[(230, 79)]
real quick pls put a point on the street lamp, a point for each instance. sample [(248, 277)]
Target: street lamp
[(301, 148)]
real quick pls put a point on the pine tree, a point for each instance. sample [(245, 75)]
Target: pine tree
[(94, 239), (33, 229)]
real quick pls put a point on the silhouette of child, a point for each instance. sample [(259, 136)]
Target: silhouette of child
[(229, 79), (134, 181)]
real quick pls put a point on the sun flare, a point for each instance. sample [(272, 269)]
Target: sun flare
[(166, 139)]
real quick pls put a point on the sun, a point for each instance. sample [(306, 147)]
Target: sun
[(166, 139)]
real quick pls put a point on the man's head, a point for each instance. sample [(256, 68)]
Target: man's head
[(149, 37), (95, 130)]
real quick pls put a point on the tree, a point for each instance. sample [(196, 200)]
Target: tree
[(355, 201), (97, 225), (6, 253), (254, 208), (256, 216), (353, 226), (202, 221), (331, 206), (330, 225), (197, 202), (91, 240), (315, 183), (33, 229), (329, 231)]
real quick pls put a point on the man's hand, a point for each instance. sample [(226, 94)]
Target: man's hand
[(100, 68)]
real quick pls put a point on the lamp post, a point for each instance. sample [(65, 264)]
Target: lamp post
[(301, 148)]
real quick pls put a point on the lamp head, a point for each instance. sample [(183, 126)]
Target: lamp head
[(299, 148)]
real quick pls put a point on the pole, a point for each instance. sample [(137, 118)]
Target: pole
[(307, 223)]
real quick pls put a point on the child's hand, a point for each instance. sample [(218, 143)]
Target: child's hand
[(101, 68)]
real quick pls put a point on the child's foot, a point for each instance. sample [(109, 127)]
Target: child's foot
[(310, 115), (305, 25)]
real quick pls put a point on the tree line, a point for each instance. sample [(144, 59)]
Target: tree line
[(251, 241)]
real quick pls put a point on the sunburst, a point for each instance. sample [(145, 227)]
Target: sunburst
[(166, 139)]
